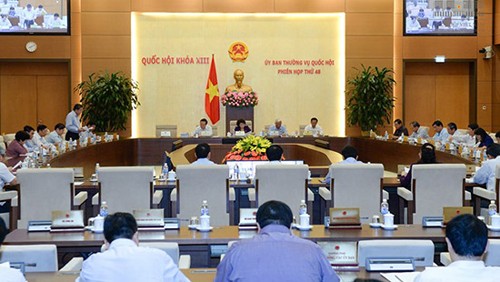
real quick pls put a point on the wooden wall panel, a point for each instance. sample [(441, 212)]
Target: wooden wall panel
[(484, 92), (452, 99), (421, 104), (19, 101), (369, 24), (193, 6), (379, 47), (106, 23), (53, 99), (453, 47), (49, 47), (310, 6), (238, 6), (94, 46), (369, 6), (105, 6), (111, 65)]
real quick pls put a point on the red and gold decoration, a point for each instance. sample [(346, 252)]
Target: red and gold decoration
[(238, 51), (212, 105)]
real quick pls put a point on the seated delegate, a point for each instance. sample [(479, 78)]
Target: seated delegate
[(241, 125)]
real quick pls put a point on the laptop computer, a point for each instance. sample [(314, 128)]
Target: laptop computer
[(67, 221), (248, 219), (149, 219)]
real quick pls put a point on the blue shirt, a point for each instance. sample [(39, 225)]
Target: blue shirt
[(486, 142), (328, 177), (275, 254), (486, 174), (441, 136), (72, 122), (281, 130)]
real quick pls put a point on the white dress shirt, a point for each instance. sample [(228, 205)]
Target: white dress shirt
[(203, 132), (420, 133), (72, 122), (203, 161), (54, 138), (125, 261), (350, 160), (8, 274), (5, 175), (486, 174), (441, 136), (39, 140), (313, 130), (460, 271)]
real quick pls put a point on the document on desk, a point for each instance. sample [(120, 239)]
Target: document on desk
[(76, 183), (400, 276)]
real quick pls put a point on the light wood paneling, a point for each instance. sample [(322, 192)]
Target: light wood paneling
[(309, 6), (495, 98), (106, 46), (49, 47), (369, 24), (105, 6), (379, 47), (452, 99), (369, 6), (53, 99), (112, 65), (19, 101), (484, 114), (419, 99), (179, 6), (106, 24), (453, 47), (484, 92), (238, 6), (485, 25), (34, 69)]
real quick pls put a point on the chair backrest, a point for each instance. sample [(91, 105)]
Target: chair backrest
[(14, 21), (126, 188), (198, 183), (436, 186), (357, 186), (215, 130), (43, 191), (36, 258), (9, 138), (421, 250), (285, 183), (170, 248), (168, 127), (232, 125), (2, 144), (302, 127)]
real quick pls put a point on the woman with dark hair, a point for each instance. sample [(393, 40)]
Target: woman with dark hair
[(427, 155), (483, 137), (16, 151), (241, 125)]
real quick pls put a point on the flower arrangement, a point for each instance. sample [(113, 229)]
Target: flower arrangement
[(240, 99), (252, 148)]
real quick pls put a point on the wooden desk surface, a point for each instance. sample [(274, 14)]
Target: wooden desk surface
[(193, 274)]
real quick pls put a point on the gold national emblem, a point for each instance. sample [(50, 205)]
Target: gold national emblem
[(238, 52)]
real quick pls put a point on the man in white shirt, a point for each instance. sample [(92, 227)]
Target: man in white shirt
[(313, 129), (278, 128), (29, 16), (124, 260), (39, 136), (418, 132), (202, 152), (8, 274), (441, 134), (73, 123), (6, 175), (350, 155), (203, 129), (486, 174), (56, 136), (467, 240)]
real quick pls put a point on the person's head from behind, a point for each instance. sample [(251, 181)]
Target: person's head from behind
[(120, 225), (467, 237), (349, 152), (314, 122), (241, 123), (480, 134), (203, 123), (438, 126), (22, 136), (42, 130), (452, 127), (274, 153), (493, 151), (56, 16), (415, 126), (274, 212), (471, 127), (427, 154), (202, 151)]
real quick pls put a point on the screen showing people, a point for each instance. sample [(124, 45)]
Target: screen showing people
[(32, 18), (424, 17)]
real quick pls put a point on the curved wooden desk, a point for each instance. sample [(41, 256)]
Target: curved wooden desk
[(150, 151)]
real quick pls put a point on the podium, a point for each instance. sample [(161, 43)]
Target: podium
[(235, 113)]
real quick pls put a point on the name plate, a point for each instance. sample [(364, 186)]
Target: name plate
[(340, 253), (344, 217), (390, 264), (165, 133), (451, 212)]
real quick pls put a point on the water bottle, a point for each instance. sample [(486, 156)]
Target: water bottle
[(492, 208), (384, 207), (204, 208), (303, 207), (236, 172), (386, 136), (103, 211), (164, 171), (97, 170)]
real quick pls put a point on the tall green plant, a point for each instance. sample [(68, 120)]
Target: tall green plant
[(108, 99), (369, 98)]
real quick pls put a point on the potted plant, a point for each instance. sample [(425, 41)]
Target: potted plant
[(107, 100), (369, 98)]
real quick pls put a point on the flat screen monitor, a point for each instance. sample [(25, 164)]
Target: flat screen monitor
[(40, 17), (441, 18)]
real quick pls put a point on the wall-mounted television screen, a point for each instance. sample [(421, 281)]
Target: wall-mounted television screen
[(34, 17), (440, 17)]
